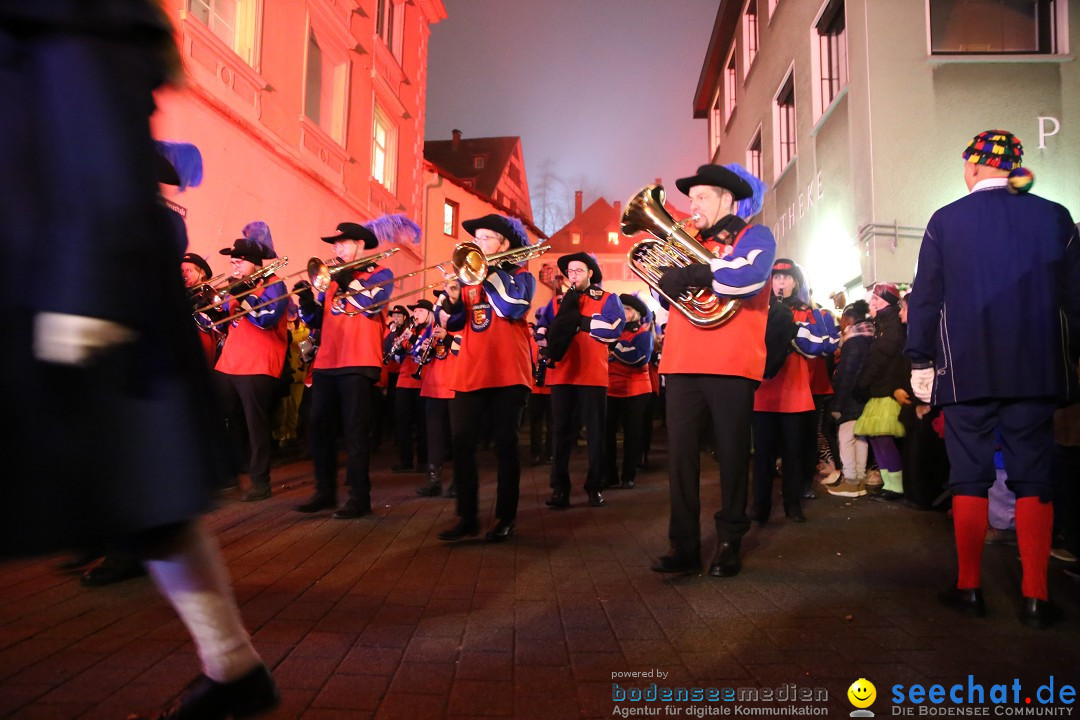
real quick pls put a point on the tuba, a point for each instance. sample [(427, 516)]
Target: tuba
[(673, 247)]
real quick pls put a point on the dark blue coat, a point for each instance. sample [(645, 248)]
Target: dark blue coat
[(997, 284)]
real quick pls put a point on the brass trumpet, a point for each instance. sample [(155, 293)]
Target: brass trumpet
[(673, 247)]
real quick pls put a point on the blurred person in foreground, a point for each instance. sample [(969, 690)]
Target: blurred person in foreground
[(987, 338), (110, 399)]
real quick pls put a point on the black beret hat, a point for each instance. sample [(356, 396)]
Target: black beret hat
[(246, 249), (635, 302), (426, 304), (582, 257), (399, 309), (717, 176), (512, 230), (354, 231), (198, 261)]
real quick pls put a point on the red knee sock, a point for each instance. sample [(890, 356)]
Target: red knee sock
[(970, 520), (1034, 528)]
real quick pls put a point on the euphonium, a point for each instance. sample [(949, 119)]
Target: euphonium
[(673, 247)]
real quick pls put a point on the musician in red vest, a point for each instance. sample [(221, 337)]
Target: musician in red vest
[(436, 355), (492, 374), (409, 417), (253, 356), (714, 371), (578, 337), (345, 370), (629, 392)]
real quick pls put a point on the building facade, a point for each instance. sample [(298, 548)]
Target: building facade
[(307, 113), (855, 112)]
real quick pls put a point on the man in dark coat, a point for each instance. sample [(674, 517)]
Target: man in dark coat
[(108, 401), (997, 278)]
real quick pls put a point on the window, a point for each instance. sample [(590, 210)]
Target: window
[(750, 35), (613, 238), (993, 26), (716, 125), (383, 150), (753, 157), (832, 66), (730, 88), (450, 218), (575, 238), (478, 162), (325, 89), (772, 8), (233, 21), (514, 174), (388, 25), (784, 114)]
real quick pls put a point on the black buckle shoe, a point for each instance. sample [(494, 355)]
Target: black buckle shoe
[(595, 498), (351, 510), (726, 562), (558, 500), (967, 600), (464, 529), (317, 503), (502, 531), (1038, 614), (205, 699), (675, 564)]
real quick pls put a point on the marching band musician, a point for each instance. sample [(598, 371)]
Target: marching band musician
[(783, 405), (408, 407), (437, 353), (715, 370), (629, 391), (540, 426), (196, 273), (579, 377), (492, 374), (345, 371), (398, 320), (253, 356)]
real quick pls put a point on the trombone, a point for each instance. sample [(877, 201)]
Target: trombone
[(319, 274), (221, 295)]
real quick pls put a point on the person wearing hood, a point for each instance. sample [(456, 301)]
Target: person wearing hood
[(857, 333), (629, 392), (783, 405)]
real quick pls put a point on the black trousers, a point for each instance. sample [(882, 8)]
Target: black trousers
[(410, 421), (783, 433), (342, 403), (691, 399), (540, 428), (503, 405), (437, 417), (572, 405), (656, 405), (630, 413), (256, 394)]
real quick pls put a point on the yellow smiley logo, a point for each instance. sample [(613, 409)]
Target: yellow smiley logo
[(862, 693)]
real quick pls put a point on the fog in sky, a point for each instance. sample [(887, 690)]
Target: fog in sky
[(600, 91)]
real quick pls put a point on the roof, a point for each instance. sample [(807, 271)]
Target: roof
[(499, 207), (723, 34), (459, 163), (594, 223)]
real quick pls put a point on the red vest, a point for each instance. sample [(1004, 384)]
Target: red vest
[(494, 350), (820, 384), (405, 379), (626, 380), (586, 361), (348, 340), (250, 350), (789, 390), (438, 373), (735, 348)]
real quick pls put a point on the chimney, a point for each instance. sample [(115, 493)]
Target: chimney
[(658, 181), (618, 210), (577, 203), (456, 144)]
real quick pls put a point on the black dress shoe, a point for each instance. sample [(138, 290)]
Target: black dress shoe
[(888, 496), (464, 529), (351, 510), (256, 494), (726, 562), (796, 516), (501, 532), (627, 484), (451, 490), (967, 600), (317, 503), (595, 498), (205, 699), (1039, 614), (676, 564), (431, 489), (113, 569), (77, 562), (558, 500)]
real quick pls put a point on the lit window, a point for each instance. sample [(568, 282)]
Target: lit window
[(325, 89), (478, 162), (383, 150), (388, 25), (832, 54), (750, 35), (613, 238), (730, 92), (753, 157), (575, 238), (450, 218), (993, 26), (233, 21), (784, 114)]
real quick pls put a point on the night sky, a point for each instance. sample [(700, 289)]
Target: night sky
[(600, 91)]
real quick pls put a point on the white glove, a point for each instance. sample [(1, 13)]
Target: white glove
[(922, 383), (74, 339)]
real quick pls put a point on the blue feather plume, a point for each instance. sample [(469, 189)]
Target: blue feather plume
[(259, 233), (395, 228), (185, 159), (751, 206), (518, 228)]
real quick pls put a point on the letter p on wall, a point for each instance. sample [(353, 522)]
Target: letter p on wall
[(1044, 122)]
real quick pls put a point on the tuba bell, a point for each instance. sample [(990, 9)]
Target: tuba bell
[(673, 247)]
